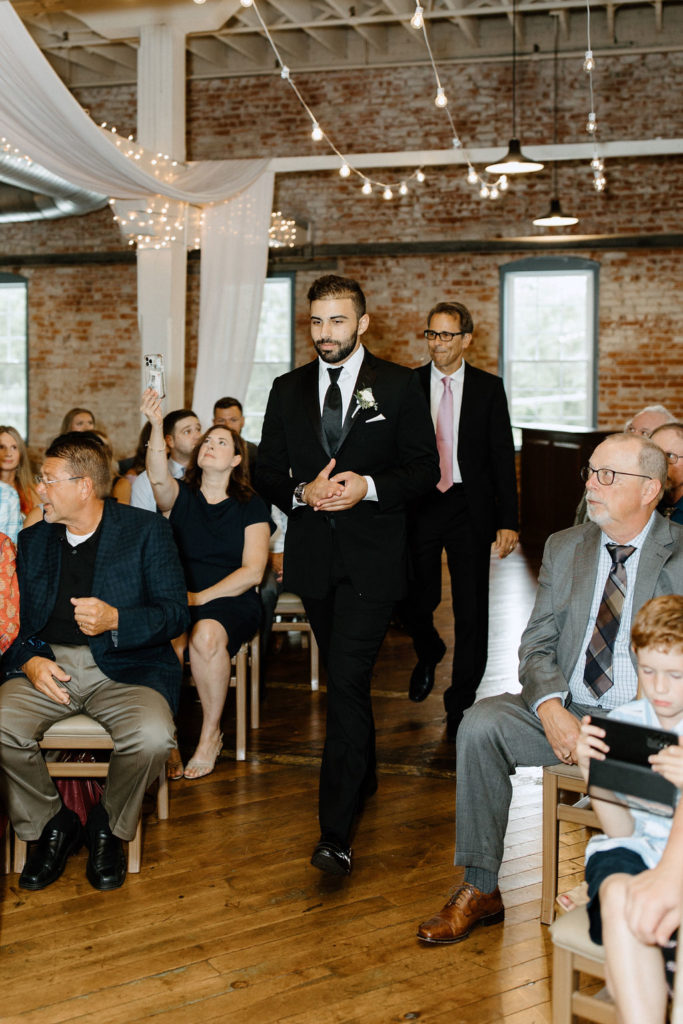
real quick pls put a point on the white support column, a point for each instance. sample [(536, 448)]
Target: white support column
[(162, 273)]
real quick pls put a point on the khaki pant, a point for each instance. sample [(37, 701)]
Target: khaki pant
[(138, 719)]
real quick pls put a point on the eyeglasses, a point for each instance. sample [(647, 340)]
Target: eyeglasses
[(443, 335), (606, 476), (42, 481), (673, 457)]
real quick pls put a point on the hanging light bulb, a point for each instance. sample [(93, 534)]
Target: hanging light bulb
[(403, 189), (588, 61), (420, 176), (599, 183), (493, 192), (441, 99), (344, 170), (246, 3), (472, 176), (417, 20), (316, 133), (592, 123), (597, 164), (503, 183), (484, 192), (457, 144), (284, 72), (387, 194), (367, 188)]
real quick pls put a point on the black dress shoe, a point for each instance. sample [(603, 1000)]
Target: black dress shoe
[(424, 673), (106, 867), (48, 857), (331, 858)]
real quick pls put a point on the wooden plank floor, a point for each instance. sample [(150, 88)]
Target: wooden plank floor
[(228, 921)]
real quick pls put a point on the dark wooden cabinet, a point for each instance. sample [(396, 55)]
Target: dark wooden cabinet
[(551, 487)]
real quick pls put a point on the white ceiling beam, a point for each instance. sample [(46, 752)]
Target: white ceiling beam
[(441, 157)]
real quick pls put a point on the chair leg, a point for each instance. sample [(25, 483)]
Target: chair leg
[(551, 843), (6, 865), (241, 703), (315, 662), (135, 850), (564, 983), (162, 796), (19, 853), (255, 668)]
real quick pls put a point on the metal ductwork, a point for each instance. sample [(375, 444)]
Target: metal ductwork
[(29, 192)]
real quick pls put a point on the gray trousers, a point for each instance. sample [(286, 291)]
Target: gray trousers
[(497, 735), (138, 719)]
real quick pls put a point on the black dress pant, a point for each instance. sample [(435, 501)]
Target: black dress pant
[(444, 522), (349, 630)]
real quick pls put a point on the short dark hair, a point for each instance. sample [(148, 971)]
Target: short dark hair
[(86, 455), (454, 309), (333, 287), (227, 403), (171, 418), (239, 487)]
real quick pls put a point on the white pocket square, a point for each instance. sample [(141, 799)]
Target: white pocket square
[(376, 419)]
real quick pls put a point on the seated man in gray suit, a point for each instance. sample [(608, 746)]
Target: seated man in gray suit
[(575, 657)]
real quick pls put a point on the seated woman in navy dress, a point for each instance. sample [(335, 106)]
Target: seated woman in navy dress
[(222, 529)]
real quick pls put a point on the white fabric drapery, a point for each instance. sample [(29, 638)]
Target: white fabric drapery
[(40, 117), (231, 294)]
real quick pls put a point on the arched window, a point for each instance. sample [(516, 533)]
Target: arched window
[(549, 315), (14, 351)]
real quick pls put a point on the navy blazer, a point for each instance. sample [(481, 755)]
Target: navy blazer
[(137, 571), (486, 452), (393, 443)]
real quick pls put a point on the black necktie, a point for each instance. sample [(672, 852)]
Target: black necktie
[(598, 675), (332, 411)]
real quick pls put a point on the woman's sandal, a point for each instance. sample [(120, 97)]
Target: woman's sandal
[(174, 766), (199, 769), (576, 897)]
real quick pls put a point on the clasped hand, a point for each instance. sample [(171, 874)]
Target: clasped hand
[(335, 493), (94, 616)]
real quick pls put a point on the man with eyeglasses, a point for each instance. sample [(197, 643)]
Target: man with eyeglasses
[(102, 594), (473, 505), (575, 657), (670, 439), (648, 420)]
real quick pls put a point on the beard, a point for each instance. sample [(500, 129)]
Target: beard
[(340, 353)]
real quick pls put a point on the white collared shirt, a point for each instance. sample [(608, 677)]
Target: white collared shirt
[(346, 380), (435, 392)]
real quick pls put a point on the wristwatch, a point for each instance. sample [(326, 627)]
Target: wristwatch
[(299, 493)]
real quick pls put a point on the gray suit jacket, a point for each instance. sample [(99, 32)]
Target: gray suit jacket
[(550, 645)]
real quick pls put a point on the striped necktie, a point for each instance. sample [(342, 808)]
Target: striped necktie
[(598, 672)]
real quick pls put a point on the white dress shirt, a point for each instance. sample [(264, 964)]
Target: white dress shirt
[(435, 392)]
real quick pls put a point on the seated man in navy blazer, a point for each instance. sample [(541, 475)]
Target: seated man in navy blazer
[(101, 595)]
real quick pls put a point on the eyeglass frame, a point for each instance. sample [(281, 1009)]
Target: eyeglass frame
[(444, 336), (586, 472), (672, 457), (40, 481)]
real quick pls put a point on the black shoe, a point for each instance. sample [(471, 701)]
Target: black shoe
[(424, 673), (106, 867), (48, 857), (331, 858)]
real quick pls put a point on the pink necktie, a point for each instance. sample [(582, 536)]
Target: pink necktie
[(444, 436)]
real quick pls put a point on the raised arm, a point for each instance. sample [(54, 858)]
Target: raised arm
[(164, 487)]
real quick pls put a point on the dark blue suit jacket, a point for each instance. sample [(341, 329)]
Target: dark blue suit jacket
[(137, 570)]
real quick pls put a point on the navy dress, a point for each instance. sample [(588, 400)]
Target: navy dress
[(210, 540)]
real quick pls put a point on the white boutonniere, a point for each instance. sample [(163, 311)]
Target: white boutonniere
[(366, 399)]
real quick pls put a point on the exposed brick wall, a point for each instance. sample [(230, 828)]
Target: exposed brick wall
[(84, 346)]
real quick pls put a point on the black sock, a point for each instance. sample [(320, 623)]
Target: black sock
[(63, 820), (98, 819)]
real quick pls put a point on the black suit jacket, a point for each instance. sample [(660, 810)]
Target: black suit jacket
[(137, 570), (394, 444), (486, 452)]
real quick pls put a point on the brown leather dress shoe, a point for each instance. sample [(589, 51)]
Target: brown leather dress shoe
[(467, 907)]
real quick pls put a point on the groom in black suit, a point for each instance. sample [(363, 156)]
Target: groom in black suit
[(473, 505), (347, 441)]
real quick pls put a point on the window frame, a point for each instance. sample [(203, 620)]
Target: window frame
[(20, 279), (552, 264), (291, 277)]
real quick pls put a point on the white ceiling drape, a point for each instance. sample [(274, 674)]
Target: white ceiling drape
[(41, 118)]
